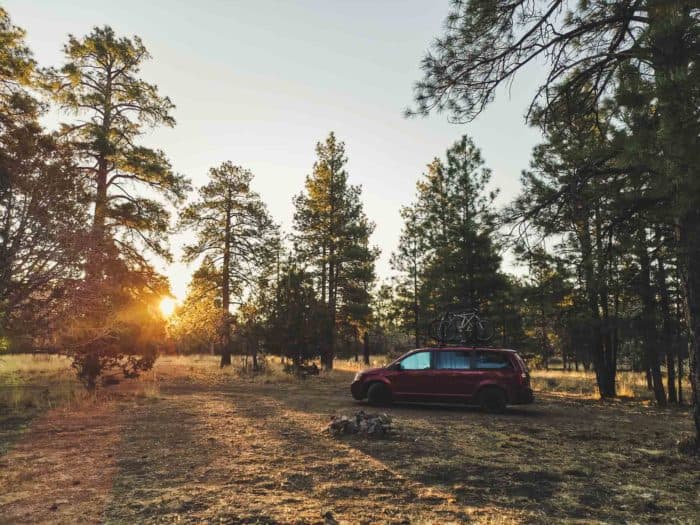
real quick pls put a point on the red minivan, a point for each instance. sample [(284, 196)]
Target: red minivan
[(489, 377)]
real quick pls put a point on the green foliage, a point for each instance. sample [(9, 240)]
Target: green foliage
[(295, 330), (231, 221), (333, 238), (236, 239), (99, 84), (113, 324), (116, 327), (447, 255), (196, 324), (39, 244), (17, 73)]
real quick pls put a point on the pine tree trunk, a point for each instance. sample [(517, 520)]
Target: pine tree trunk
[(689, 269), (679, 141), (95, 259), (648, 319), (96, 254), (680, 378), (671, 377), (357, 345), (330, 350), (665, 304), (365, 353), (225, 290), (604, 378), (323, 275), (416, 315)]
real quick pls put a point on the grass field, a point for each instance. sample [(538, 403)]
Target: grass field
[(189, 443)]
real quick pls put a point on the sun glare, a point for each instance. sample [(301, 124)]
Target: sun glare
[(167, 306)]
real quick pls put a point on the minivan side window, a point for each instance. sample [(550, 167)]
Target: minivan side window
[(492, 360), (417, 361), (449, 360)]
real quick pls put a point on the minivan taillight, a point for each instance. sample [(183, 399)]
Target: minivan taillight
[(525, 379), (524, 374)]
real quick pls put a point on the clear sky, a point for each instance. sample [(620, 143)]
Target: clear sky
[(259, 82)]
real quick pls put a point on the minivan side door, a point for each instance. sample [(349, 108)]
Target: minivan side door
[(493, 368), (413, 377), (454, 373)]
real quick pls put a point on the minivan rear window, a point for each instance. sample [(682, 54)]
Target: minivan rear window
[(486, 360), (453, 360)]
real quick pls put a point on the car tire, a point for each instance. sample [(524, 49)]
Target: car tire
[(378, 394), (492, 400)]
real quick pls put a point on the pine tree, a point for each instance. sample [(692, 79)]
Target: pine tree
[(39, 244), (125, 182), (297, 321), (409, 262), (587, 46), (470, 256), (99, 83), (235, 236), (333, 236), (569, 194), (447, 246)]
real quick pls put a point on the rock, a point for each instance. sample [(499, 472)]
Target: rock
[(360, 423), (328, 519)]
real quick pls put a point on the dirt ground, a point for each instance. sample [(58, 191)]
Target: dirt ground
[(199, 446)]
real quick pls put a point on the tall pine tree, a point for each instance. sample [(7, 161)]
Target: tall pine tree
[(235, 236), (126, 183), (447, 247), (333, 236)]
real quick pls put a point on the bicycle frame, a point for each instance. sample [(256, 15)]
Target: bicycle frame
[(466, 320)]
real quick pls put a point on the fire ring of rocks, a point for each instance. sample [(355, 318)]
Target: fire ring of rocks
[(375, 425)]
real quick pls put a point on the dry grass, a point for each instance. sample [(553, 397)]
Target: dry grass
[(191, 443), (31, 384), (37, 382), (350, 365), (582, 383)]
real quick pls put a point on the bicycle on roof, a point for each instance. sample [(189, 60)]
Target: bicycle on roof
[(461, 327)]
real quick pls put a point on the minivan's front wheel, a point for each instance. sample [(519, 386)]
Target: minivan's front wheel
[(492, 400), (378, 394)]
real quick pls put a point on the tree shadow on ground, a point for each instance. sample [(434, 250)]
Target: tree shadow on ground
[(12, 425), (556, 463), (551, 462), (156, 464)]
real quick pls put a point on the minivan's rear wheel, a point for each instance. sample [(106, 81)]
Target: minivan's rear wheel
[(492, 400), (378, 394)]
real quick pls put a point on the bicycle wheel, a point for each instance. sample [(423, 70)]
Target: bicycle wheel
[(484, 330), (450, 330)]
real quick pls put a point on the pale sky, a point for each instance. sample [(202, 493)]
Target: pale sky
[(260, 82)]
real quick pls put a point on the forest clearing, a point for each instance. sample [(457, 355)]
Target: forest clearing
[(224, 225), (190, 443)]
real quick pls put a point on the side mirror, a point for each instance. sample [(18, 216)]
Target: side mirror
[(395, 366)]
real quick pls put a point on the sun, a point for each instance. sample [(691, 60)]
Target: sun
[(167, 306)]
